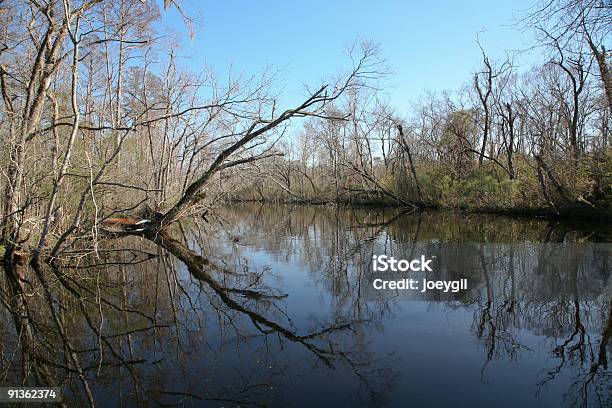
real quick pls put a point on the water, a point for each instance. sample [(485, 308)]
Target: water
[(282, 313)]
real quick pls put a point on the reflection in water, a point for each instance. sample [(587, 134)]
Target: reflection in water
[(273, 306)]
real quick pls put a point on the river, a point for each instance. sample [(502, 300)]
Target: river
[(274, 305)]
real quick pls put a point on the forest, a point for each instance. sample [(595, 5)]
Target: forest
[(99, 120)]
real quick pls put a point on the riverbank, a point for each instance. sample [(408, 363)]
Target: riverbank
[(555, 187)]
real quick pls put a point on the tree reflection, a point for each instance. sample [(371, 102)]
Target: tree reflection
[(554, 289), (193, 317), (131, 311)]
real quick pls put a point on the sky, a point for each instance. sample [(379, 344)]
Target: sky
[(427, 45)]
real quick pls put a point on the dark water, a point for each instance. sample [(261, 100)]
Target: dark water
[(282, 313)]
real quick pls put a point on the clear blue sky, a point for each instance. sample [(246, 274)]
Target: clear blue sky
[(429, 45)]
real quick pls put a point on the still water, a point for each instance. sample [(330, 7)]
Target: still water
[(273, 305)]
